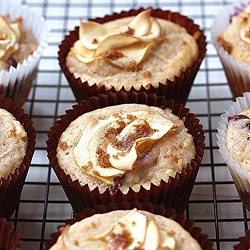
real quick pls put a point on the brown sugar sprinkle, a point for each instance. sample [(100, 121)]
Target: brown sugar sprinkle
[(63, 145), (146, 74), (227, 46), (121, 240), (95, 41), (12, 133), (129, 31), (86, 167), (133, 66), (112, 54), (103, 158)]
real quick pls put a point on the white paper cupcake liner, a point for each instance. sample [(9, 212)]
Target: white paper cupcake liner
[(16, 82), (240, 175), (238, 74)]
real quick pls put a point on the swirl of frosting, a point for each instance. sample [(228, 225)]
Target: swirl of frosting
[(10, 34), (119, 45), (108, 148), (130, 232)]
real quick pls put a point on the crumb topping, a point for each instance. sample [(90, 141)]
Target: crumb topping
[(112, 54), (133, 66)]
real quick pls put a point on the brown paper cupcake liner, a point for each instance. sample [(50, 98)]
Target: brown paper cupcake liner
[(9, 239), (244, 242), (188, 225), (10, 188), (178, 89), (172, 194)]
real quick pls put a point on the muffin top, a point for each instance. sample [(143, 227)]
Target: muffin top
[(16, 42), (126, 229), (126, 145), (13, 143), (131, 51), (238, 137), (236, 37)]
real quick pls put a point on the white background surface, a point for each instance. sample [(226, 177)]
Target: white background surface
[(214, 204)]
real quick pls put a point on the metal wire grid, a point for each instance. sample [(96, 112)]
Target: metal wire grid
[(214, 204)]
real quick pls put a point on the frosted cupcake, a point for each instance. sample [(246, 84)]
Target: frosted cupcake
[(24, 37), (230, 36), (127, 152), (143, 50), (124, 226), (17, 148), (233, 140)]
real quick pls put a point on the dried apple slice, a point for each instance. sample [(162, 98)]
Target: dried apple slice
[(134, 53), (155, 32), (152, 238), (141, 24), (87, 147), (245, 31), (115, 41), (83, 54), (9, 38), (91, 34), (166, 240), (156, 125)]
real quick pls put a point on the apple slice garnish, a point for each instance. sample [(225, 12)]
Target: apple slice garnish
[(9, 37)]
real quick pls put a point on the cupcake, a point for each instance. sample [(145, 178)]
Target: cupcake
[(144, 151), (150, 51), (231, 40), (23, 39), (17, 148), (233, 138), (129, 226), (244, 242), (9, 239)]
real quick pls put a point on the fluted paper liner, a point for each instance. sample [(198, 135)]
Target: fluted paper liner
[(240, 175), (16, 82), (9, 239), (10, 188), (244, 242), (172, 194), (238, 74), (178, 89), (188, 225)]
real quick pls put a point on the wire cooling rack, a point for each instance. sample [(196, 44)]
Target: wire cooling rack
[(214, 205)]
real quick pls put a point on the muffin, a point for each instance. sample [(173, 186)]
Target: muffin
[(23, 39), (17, 148), (231, 40), (146, 228), (233, 137), (244, 242), (142, 50), (127, 151), (9, 239)]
